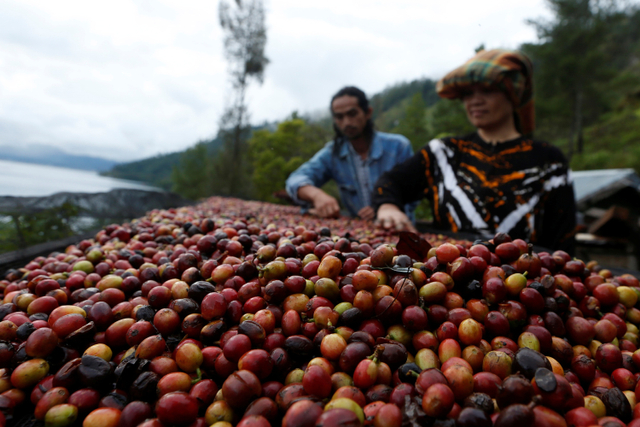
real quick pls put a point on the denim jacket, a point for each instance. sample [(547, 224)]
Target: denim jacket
[(337, 163)]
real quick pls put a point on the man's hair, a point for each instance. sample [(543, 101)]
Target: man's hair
[(363, 103)]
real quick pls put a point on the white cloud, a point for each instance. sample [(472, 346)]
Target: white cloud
[(130, 79)]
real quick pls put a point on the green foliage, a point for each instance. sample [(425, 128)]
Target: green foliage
[(587, 82), (612, 142), (230, 167), (157, 170), (423, 211), (421, 124), (191, 177), (274, 155), (389, 105), (581, 50), (154, 170), (8, 238), (395, 94), (414, 123), (205, 170), (448, 118), (21, 230)]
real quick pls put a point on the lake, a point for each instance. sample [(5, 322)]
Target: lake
[(28, 179)]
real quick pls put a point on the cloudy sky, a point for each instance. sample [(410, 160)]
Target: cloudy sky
[(129, 79)]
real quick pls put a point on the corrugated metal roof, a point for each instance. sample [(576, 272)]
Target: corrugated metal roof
[(596, 183)]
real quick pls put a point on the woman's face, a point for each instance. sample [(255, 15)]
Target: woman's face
[(487, 107)]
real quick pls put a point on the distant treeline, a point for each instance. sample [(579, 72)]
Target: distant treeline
[(587, 94)]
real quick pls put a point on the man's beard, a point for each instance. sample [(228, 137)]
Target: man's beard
[(366, 132), (352, 133)]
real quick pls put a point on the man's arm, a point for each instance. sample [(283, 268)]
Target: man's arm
[(303, 185)]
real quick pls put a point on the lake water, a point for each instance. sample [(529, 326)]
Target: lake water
[(27, 179)]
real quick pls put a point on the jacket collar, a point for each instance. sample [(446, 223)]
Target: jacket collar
[(375, 150)]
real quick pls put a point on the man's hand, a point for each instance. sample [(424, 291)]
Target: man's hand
[(391, 217), (367, 213), (325, 206)]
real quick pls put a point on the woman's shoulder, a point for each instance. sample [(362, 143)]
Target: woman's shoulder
[(452, 139), (549, 151), (448, 143)]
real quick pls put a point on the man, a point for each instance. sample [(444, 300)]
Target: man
[(355, 159)]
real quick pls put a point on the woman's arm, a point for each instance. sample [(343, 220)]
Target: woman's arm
[(558, 225), (403, 184), (391, 217)]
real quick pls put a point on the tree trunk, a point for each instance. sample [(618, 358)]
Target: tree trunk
[(237, 132), (570, 147), (237, 157), (580, 142), (21, 241), (578, 116), (576, 125)]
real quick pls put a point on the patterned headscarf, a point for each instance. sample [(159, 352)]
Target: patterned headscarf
[(509, 70)]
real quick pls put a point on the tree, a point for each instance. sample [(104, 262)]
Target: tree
[(244, 41), (389, 106), (414, 123), (192, 176), (19, 230), (447, 117), (572, 61), (274, 155)]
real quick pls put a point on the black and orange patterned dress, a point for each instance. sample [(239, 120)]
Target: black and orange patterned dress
[(521, 187)]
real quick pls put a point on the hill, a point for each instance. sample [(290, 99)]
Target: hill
[(155, 170), (46, 155), (389, 106)]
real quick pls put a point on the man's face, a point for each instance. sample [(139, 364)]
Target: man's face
[(349, 117)]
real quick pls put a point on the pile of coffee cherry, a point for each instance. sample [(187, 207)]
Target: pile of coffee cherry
[(248, 314)]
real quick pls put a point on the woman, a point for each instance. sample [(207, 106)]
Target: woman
[(495, 180)]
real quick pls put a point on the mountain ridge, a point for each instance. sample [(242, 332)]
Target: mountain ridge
[(48, 155)]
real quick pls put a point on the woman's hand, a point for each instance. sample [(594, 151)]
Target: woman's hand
[(391, 217)]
